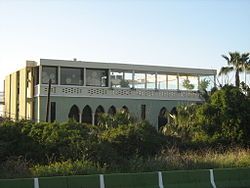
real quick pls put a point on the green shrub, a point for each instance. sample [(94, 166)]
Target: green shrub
[(66, 168)]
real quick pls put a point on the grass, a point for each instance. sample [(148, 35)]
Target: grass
[(169, 159)]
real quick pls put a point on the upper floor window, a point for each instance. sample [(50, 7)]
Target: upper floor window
[(97, 77), (121, 79), (71, 76), (49, 72), (139, 80)]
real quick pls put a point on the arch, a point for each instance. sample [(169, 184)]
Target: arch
[(112, 110), (174, 111), (87, 115), (125, 109), (99, 110), (74, 113), (162, 117)]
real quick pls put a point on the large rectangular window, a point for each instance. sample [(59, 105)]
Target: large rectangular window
[(121, 79), (172, 81), (206, 82), (49, 72), (139, 80), (71, 76), (97, 77), (150, 81), (161, 81)]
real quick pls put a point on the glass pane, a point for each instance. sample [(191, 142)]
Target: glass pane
[(97, 77), (117, 79), (172, 82), (161, 81), (139, 80), (128, 80), (49, 73), (188, 82), (150, 81), (71, 76), (181, 82), (207, 82), (194, 80)]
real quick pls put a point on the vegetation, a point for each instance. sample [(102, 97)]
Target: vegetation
[(187, 84), (198, 136), (236, 62), (213, 134)]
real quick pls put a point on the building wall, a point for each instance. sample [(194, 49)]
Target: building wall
[(22, 94), (30, 93), (13, 98), (64, 104), (7, 94)]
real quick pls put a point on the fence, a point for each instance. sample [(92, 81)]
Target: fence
[(217, 178)]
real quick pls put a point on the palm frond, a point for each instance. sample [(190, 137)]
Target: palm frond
[(225, 70)]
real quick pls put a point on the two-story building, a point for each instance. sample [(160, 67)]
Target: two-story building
[(82, 90)]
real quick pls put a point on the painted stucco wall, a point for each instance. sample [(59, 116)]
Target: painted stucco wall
[(22, 94), (7, 92), (13, 111), (64, 104)]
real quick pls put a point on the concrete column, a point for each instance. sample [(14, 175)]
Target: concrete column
[(166, 81), (199, 81), (133, 79), (156, 80), (59, 75), (93, 118), (178, 82), (80, 117), (84, 77), (214, 80), (145, 85), (109, 80)]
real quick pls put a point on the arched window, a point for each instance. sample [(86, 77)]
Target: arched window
[(174, 111), (125, 109), (87, 115), (112, 111), (162, 117), (99, 110), (74, 113)]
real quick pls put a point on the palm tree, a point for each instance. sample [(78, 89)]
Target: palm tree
[(246, 69), (236, 62)]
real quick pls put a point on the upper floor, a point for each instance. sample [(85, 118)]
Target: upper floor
[(80, 78), (109, 80)]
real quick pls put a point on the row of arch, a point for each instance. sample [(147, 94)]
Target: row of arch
[(89, 117)]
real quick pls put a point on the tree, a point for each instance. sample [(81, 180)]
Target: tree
[(236, 62), (204, 84), (186, 84)]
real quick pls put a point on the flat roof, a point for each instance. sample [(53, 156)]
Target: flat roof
[(127, 67)]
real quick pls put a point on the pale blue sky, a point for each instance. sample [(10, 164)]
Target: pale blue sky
[(186, 33)]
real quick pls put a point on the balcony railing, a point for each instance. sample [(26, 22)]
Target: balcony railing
[(104, 92)]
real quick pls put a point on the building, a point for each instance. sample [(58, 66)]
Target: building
[(82, 90)]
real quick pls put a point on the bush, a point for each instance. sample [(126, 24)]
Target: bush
[(66, 168), (134, 139)]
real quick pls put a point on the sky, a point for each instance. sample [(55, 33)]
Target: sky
[(182, 33)]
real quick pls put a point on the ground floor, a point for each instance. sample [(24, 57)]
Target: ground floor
[(86, 109)]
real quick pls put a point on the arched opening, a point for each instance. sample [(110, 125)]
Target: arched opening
[(174, 112), (162, 117), (99, 110), (74, 113), (112, 111), (87, 115), (124, 109)]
